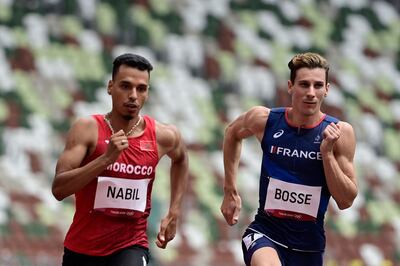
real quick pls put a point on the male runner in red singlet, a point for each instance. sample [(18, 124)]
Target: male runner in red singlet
[(307, 159), (109, 164)]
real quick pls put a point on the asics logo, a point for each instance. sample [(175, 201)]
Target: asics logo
[(278, 134)]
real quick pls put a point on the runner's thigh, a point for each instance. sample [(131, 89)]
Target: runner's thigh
[(252, 241), (131, 256), (71, 258), (297, 258)]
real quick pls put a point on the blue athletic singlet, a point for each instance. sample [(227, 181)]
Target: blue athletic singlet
[(293, 194)]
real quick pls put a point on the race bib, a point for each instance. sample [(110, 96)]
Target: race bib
[(120, 196), (293, 201)]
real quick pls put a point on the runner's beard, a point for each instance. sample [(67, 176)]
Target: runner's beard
[(127, 117)]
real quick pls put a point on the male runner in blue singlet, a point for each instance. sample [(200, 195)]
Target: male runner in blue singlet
[(307, 158)]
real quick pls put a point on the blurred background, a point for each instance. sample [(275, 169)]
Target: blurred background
[(213, 60)]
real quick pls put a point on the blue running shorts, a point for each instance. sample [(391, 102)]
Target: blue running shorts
[(253, 241)]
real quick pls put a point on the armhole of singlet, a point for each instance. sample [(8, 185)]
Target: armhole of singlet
[(272, 116), (100, 129)]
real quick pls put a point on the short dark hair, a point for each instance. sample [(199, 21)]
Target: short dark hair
[(132, 60), (308, 60)]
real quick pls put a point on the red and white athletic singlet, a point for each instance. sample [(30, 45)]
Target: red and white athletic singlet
[(112, 210)]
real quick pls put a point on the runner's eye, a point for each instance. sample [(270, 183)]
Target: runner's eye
[(125, 86), (142, 88), (319, 85)]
